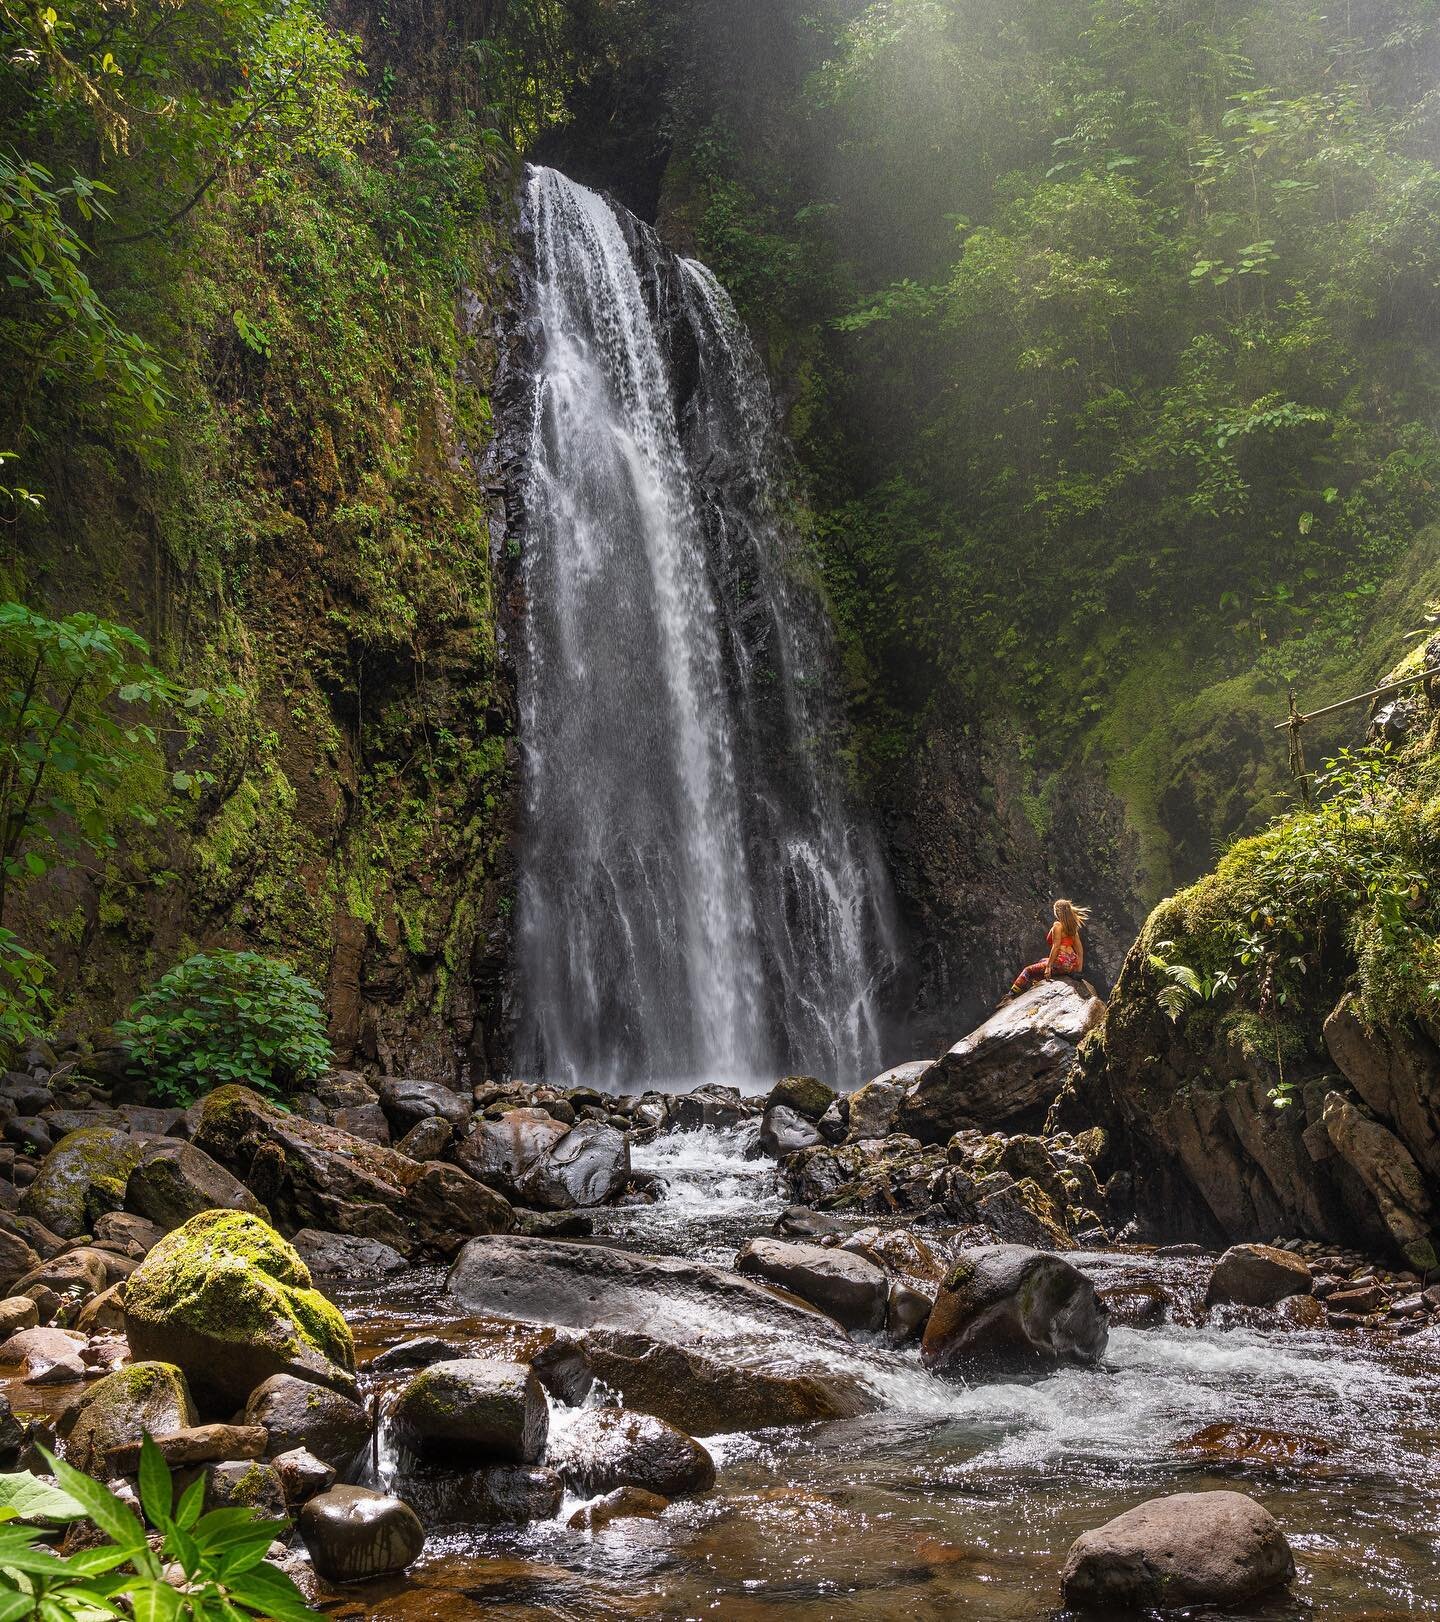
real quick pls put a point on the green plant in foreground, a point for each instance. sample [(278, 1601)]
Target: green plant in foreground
[(223, 1017), (206, 1568)]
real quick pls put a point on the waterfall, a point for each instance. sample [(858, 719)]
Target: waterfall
[(697, 898)]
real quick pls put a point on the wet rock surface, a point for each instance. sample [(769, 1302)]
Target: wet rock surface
[(845, 1286), (907, 1211), (1216, 1548), (479, 1409), (1005, 1307), (1007, 1069), (354, 1534), (604, 1448)]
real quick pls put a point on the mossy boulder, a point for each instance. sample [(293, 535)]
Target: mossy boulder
[(808, 1096), (147, 1396), (82, 1178), (231, 1302)]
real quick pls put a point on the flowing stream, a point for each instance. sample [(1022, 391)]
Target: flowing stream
[(697, 897), (960, 1501)]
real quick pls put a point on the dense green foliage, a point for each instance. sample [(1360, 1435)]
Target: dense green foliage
[(227, 1017), (74, 694), (1340, 895), (221, 1554), (244, 268), (1112, 325)]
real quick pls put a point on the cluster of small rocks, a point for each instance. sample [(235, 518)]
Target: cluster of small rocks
[(1021, 1188), (1357, 1292)]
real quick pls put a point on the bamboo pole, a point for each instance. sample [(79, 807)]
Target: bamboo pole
[(1295, 719)]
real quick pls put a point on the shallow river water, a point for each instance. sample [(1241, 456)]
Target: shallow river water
[(955, 1500)]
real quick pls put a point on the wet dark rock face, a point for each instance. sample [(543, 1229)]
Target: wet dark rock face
[(1004, 1308)]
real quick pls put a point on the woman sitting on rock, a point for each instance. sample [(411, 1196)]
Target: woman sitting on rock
[(1067, 950)]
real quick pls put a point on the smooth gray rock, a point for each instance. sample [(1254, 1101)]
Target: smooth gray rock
[(600, 1449), (1009, 1068), (589, 1166), (848, 1288), (297, 1413), (699, 1346), (407, 1102), (345, 1255), (1190, 1548), (783, 1131)]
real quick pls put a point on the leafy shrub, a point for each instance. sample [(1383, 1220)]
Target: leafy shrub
[(222, 1017), (24, 1001), (222, 1554)]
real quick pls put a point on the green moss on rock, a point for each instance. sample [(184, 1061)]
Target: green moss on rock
[(153, 1397), (233, 1303), (82, 1178)]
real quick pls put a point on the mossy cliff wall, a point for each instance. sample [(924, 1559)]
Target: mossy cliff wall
[(320, 526), (1271, 1054)]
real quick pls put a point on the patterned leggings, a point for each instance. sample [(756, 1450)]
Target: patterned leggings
[(1033, 972)]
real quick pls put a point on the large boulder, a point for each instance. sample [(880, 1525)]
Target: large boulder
[(299, 1413), (314, 1176), (499, 1153), (709, 1105), (1191, 1548), (599, 1449), (784, 1131), (174, 1181), (228, 1300), (1009, 1309), (875, 1107), (115, 1410), (341, 1255), (1008, 1069), (82, 1177), (480, 1409), (1257, 1276), (847, 1287), (588, 1166), (699, 1346), (407, 1102), (354, 1534)]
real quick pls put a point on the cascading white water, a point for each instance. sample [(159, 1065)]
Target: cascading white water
[(695, 901)]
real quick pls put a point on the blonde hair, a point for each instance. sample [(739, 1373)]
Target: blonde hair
[(1071, 918)]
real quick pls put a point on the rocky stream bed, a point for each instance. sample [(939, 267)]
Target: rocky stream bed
[(693, 1354)]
